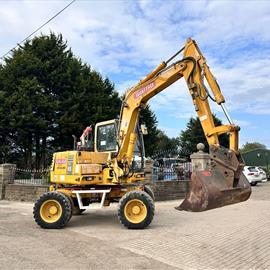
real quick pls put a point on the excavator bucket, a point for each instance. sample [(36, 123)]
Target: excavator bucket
[(217, 180), (209, 190)]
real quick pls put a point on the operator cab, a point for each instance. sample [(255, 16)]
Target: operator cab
[(106, 140), (106, 136)]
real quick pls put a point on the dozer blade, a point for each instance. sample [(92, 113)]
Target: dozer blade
[(209, 190)]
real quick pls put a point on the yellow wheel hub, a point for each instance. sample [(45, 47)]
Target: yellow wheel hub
[(135, 211), (51, 211)]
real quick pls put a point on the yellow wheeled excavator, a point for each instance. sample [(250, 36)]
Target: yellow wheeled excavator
[(108, 164)]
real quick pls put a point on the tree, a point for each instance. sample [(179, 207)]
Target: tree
[(166, 146), (47, 94), (151, 139), (165, 143), (250, 146), (194, 134)]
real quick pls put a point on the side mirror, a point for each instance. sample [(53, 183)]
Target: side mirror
[(144, 129)]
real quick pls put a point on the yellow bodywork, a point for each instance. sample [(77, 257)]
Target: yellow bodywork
[(86, 168), (114, 167), (78, 167), (192, 66)]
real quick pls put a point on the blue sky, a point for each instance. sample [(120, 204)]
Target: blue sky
[(125, 40)]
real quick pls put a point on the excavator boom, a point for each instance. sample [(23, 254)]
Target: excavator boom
[(220, 180), (107, 169)]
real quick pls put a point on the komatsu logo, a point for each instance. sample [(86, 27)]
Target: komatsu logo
[(144, 90)]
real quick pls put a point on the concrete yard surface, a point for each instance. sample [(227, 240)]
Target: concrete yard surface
[(232, 237)]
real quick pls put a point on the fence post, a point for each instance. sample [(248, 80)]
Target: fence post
[(200, 160), (7, 175), (148, 170)]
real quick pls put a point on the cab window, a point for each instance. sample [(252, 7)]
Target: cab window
[(106, 138)]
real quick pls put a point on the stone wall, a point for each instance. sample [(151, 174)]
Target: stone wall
[(18, 192), (148, 170), (170, 190), (7, 172), (163, 190)]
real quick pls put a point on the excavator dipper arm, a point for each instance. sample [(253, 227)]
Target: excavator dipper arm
[(224, 183)]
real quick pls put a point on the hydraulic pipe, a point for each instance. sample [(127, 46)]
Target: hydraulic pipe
[(151, 75), (213, 85), (226, 113)]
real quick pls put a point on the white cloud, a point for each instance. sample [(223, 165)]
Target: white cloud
[(122, 87), (132, 37)]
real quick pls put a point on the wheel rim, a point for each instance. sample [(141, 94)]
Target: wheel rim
[(135, 211), (51, 211)]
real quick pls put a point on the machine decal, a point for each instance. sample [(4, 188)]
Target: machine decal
[(204, 117), (144, 90), (70, 164), (207, 173), (60, 161)]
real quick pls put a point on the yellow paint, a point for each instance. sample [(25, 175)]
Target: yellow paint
[(131, 147), (85, 168), (82, 171), (159, 80), (153, 73), (92, 157), (51, 211), (135, 211)]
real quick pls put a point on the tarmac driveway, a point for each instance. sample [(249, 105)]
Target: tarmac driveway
[(233, 237)]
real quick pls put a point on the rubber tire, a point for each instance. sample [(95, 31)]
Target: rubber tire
[(253, 184), (66, 210), (150, 192), (146, 199), (72, 204)]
